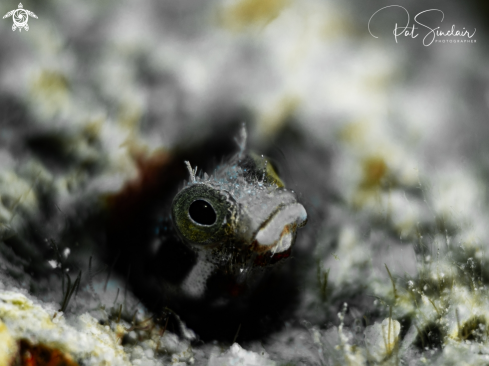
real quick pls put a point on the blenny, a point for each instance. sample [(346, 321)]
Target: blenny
[(237, 219), (214, 259)]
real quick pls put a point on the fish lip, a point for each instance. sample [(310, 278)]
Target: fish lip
[(278, 232)]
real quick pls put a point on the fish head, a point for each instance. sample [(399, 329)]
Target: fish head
[(240, 217)]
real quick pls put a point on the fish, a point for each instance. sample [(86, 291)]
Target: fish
[(216, 251), (239, 218)]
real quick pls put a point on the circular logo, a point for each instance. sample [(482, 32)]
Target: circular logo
[(20, 18)]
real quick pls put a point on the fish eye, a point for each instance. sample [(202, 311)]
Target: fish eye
[(202, 212)]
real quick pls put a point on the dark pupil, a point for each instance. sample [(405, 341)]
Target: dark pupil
[(202, 212)]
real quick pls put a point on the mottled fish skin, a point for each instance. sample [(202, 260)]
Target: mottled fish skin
[(256, 220)]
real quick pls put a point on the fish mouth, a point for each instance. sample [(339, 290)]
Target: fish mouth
[(277, 234)]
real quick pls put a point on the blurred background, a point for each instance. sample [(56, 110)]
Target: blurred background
[(384, 141)]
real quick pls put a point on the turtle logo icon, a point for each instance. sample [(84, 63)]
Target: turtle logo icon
[(20, 17)]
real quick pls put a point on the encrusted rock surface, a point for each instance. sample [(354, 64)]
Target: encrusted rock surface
[(387, 153)]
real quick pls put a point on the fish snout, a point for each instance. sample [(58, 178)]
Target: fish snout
[(277, 234)]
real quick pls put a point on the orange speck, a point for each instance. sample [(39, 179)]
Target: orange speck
[(42, 355)]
